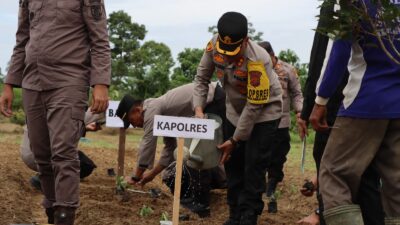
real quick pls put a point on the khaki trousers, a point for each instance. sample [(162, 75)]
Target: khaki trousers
[(351, 148), (55, 124)]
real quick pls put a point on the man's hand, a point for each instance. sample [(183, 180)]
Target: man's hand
[(226, 149), (309, 187), (138, 176), (147, 177), (302, 126), (312, 219), (99, 99), (198, 112), (6, 100), (318, 118), (93, 127)]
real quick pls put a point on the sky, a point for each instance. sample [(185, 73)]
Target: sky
[(180, 24)]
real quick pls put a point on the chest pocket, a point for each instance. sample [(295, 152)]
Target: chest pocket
[(34, 12), (69, 11)]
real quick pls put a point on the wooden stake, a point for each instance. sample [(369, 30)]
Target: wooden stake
[(178, 181), (121, 151)]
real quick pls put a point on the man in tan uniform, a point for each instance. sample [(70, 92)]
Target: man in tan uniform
[(292, 95), (61, 50), (253, 111), (176, 102)]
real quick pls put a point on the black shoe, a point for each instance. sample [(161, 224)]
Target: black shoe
[(35, 182), (198, 208), (249, 218), (272, 207), (231, 221), (234, 216), (50, 215), (271, 186), (186, 202), (64, 216)]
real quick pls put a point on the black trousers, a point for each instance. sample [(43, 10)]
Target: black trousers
[(369, 196), (280, 148), (246, 168)]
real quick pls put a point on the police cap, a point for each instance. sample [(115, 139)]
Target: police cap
[(124, 107), (267, 46), (232, 30)]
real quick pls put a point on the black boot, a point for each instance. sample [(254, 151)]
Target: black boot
[(234, 217), (249, 218), (200, 209), (50, 215), (272, 206), (64, 216), (35, 182), (271, 186)]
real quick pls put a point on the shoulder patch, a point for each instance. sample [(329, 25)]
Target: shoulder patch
[(96, 8), (209, 47)]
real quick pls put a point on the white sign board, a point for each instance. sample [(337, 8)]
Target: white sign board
[(170, 126), (112, 120)]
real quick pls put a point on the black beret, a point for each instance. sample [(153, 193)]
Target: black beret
[(124, 107), (267, 46), (232, 30)]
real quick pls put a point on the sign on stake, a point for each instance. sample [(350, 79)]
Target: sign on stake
[(181, 127)]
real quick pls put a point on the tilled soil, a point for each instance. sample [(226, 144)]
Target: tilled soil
[(20, 203)]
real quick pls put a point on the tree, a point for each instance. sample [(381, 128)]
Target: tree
[(124, 37), (188, 60), (1, 76), (151, 76), (352, 19), (138, 70), (290, 57), (252, 33)]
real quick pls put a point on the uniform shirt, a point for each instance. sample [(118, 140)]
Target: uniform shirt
[(176, 102), (234, 79), (373, 88), (60, 43), (291, 91)]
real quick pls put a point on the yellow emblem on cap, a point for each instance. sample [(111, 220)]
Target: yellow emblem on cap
[(227, 40)]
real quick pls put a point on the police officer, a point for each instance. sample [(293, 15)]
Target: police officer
[(62, 49), (92, 123), (253, 110), (292, 95), (176, 102)]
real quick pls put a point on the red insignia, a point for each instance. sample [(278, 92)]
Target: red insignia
[(242, 87), (240, 61), (218, 58), (220, 74), (255, 77), (240, 73)]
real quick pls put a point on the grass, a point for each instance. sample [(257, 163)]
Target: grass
[(109, 139), (294, 156)]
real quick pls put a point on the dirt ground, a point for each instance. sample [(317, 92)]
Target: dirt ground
[(20, 203)]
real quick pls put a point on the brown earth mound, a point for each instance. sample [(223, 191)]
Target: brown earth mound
[(100, 206)]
